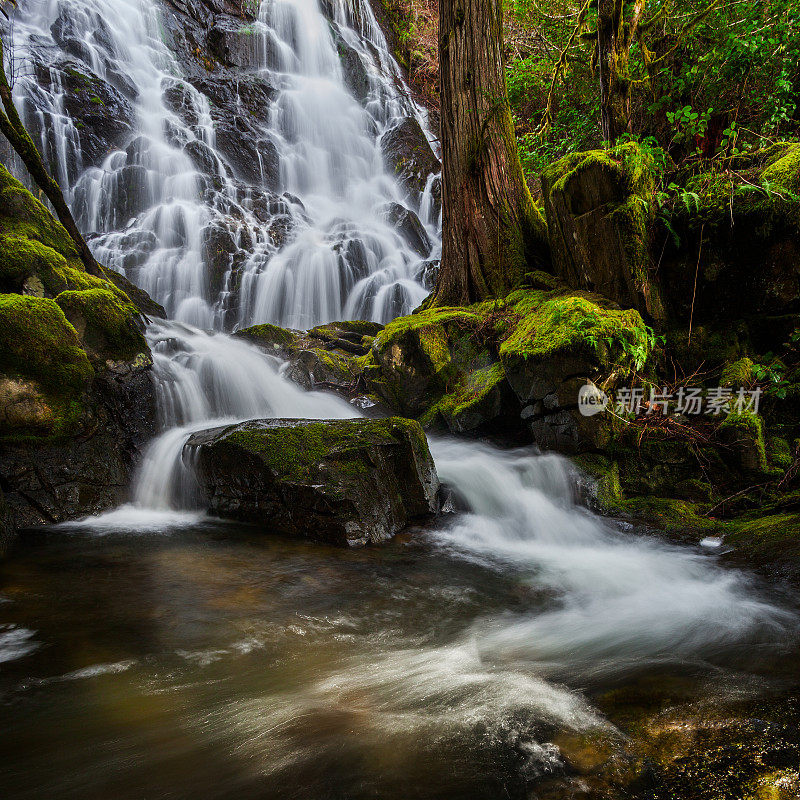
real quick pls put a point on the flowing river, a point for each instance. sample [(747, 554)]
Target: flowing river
[(153, 652)]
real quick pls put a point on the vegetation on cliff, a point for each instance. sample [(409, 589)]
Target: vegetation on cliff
[(59, 325)]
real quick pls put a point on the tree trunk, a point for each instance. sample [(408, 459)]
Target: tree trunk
[(490, 226), (614, 37), (12, 128)]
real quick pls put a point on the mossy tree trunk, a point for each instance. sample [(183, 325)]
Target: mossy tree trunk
[(488, 216), (12, 128), (615, 34)]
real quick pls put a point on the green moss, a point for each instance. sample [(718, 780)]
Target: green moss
[(37, 341), (744, 432), (609, 494), (783, 175), (740, 373), (336, 329), (295, 451), (576, 324), (22, 215), (725, 201), (428, 320), (106, 324), (771, 538), (266, 334), (469, 393), (20, 258), (672, 515), (779, 452)]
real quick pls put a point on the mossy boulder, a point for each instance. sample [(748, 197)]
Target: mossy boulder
[(349, 482), (744, 434), (599, 207), (767, 540), (38, 343), (328, 356), (107, 325), (512, 366), (38, 257)]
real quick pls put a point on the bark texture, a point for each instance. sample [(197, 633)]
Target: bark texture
[(492, 233), (615, 34)]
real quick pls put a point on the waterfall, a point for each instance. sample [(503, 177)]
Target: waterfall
[(302, 230), (317, 175), (207, 379)]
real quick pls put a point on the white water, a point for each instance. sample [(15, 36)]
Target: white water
[(204, 380), (153, 212), (615, 600), (620, 600)]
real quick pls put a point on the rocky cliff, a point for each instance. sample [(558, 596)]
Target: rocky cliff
[(76, 400)]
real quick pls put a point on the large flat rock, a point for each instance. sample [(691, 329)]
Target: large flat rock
[(346, 482)]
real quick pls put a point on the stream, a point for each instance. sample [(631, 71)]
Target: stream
[(155, 652)]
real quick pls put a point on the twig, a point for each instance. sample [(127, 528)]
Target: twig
[(694, 290)]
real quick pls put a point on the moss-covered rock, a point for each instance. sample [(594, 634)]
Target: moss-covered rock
[(744, 434), (481, 367), (348, 482), (38, 257), (270, 337), (772, 539), (106, 324), (783, 174), (735, 240), (599, 207), (38, 343)]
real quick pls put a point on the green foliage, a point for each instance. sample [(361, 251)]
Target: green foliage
[(708, 80)]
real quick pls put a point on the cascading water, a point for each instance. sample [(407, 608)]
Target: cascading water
[(204, 380), (599, 601), (311, 232)]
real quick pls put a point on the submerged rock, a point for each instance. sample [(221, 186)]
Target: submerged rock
[(345, 482)]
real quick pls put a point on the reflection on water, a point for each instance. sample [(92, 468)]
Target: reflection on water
[(214, 661)]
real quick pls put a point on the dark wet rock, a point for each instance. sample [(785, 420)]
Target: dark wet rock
[(280, 231), (408, 155), (252, 159), (178, 99), (349, 482), (355, 73), (131, 193), (103, 116), (230, 92), (218, 251), (52, 482), (409, 227), (427, 272), (239, 45), (266, 206), (203, 157)]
